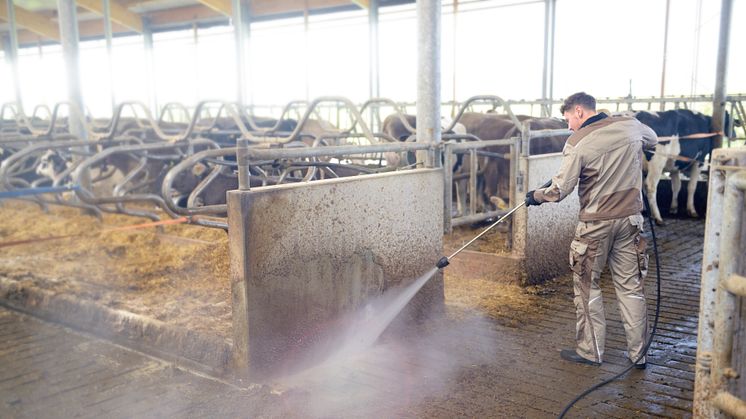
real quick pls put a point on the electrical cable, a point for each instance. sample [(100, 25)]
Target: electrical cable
[(655, 322)]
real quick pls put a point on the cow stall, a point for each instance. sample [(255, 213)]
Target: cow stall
[(322, 227), (303, 255)]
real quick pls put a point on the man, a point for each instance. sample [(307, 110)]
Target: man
[(604, 156)]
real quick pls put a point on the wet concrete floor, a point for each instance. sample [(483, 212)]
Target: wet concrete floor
[(466, 367)]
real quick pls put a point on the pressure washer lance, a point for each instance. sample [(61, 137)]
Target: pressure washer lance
[(444, 261)]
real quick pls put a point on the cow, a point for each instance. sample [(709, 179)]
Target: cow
[(491, 126), (394, 128), (685, 139)]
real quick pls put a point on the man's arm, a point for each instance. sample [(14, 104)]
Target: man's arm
[(563, 183), (649, 138)]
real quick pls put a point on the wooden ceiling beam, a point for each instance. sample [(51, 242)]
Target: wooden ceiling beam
[(119, 13), (221, 6), (273, 7), (34, 22), (364, 4), (86, 29), (182, 15)]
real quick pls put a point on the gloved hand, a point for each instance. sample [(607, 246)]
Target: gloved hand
[(530, 200)]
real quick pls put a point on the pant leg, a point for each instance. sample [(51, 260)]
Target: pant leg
[(588, 253), (628, 265)]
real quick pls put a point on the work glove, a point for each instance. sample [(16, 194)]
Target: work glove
[(530, 200)]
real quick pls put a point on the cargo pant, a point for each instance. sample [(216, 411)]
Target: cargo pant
[(619, 243)]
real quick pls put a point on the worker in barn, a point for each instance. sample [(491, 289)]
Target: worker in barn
[(603, 156)]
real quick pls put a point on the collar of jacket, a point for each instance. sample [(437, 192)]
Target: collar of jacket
[(595, 118)]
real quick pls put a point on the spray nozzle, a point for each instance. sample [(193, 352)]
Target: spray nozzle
[(443, 262)]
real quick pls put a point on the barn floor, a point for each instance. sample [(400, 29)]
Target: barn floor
[(478, 361)]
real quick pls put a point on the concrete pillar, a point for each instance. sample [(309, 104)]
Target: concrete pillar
[(242, 32), (548, 71), (11, 51), (68, 21), (428, 77), (718, 101), (147, 35), (110, 65)]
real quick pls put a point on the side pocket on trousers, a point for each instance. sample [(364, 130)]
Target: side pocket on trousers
[(578, 252), (643, 259)]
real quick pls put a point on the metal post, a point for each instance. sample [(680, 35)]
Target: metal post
[(695, 51), (12, 53), (546, 109), (665, 54), (242, 158), (550, 73), (448, 189), (718, 101), (307, 57), (242, 32), (454, 54), (68, 21), (428, 76), (108, 35), (196, 61), (147, 35), (374, 90)]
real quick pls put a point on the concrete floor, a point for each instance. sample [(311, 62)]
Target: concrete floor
[(468, 367)]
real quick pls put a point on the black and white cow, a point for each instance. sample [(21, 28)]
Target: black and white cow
[(685, 138)]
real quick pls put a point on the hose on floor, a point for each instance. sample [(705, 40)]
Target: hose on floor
[(655, 322)]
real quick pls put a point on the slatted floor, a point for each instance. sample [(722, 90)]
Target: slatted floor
[(455, 368)]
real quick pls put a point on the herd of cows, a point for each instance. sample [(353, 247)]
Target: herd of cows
[(129, 164)]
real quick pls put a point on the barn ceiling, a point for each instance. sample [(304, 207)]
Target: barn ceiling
[(36, 20)]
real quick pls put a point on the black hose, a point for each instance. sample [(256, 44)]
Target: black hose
[(655, 322)]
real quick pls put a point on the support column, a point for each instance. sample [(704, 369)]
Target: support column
[(68, 21), (11, 51), (547, 84), (375, 90), (147, 34), (374, 82), (110, 65), (307, 56), (665, 55), (241, 21), (428, 77), (454, 59), (718, 101)]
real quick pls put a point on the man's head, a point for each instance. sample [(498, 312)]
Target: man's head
[(577, 109)]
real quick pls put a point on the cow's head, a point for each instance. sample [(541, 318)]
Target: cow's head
[(51, 164)]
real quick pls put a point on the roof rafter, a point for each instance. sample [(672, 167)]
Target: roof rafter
[(119, 13), (221, 6), (34, 22)]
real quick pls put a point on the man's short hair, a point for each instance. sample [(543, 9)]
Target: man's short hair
[(581, 98)]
